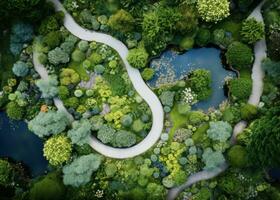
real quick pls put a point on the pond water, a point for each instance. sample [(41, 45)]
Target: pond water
[(18, 143), (171, 66)]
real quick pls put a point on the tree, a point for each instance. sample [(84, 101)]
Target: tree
[(21, 34), (213, 10), (48, 87), (138, 58), (252, 31), (20, 69), (14, 111), (212, 159), (125, 139), (239, 55), (264, 149), (80, 133), (237, 156), (157, 27), (80, 170), (68, 76), (200, 82), (106, 134), (121, 21), (57, 150), (52, 39), (49, 187), (240, 88), (58, 56), (188, 20), (6, 173), (49, 123), (219, 131)]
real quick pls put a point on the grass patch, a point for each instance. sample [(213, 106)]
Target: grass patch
[(178, 121), (78, 67)]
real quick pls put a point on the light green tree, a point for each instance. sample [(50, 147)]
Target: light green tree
[(57, 150), (213, 10)]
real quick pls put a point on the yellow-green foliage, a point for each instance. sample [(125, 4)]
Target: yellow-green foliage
[(57, 150), (213, 10), (119, 107), (68, 76)]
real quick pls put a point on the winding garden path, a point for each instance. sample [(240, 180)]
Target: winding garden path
[(135, 77), (257, 78)]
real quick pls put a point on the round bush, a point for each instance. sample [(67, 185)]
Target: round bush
[(78, 56), (240, 88), (237, 156), (239, 55)]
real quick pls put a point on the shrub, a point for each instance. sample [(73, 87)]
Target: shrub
[(95, 58), (20, 69), (72, 102), (69, 76), (237, 156), (202, 37), (80, 170), (50, 187), (63, 92), (83, 45), (48, 87), (99, 69), (196, 117), (78, 56), (239, 55), (167, 98), (248, 112), (240, 88), (148, 73), (121, 21), (67, 47), (252, 31), (271, 68), (273, 41), (14, 111), (106, 134), (80, 132), (52, 39), (58, 56), (127, 120), (6, 173), (96, 122), (49, 123), (138, 58), (57, 150), (200, 82), (137, 126), (186, 43), (220, 131), (125, 139), (213, 10), (212, 159)]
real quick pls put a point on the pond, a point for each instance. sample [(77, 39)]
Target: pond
[(172, 66), (18, 143)]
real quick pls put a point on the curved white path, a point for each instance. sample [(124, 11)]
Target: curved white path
[(135, 77), (257, 78)]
